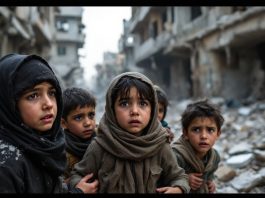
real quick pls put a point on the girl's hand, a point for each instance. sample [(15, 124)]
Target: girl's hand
[(167, 190), (91, 187)]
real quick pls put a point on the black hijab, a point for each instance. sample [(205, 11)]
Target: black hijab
[(17, 73)]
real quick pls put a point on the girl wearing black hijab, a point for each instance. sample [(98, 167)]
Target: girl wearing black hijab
[(32, 146)]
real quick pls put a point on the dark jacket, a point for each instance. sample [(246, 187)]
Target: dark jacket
[(29, 162), (75, 149), (21, 174)]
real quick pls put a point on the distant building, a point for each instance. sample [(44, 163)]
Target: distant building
[(201, 51), (68, 38), (126, 47), (112, 65)]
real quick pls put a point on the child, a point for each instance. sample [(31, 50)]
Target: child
[(201, 127), (79, 124), (32, 152), (162, 110), (130, 153)]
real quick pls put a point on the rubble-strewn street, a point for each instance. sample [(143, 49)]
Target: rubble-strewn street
[(241, 145)]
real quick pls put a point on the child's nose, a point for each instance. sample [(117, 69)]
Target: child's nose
[(204, 134), (134, 110), (87, 121), (47, 101)]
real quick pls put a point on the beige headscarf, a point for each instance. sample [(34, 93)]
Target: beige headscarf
[(125, 148)]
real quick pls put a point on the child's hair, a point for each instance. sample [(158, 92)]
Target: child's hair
[(162, 98), (23, 79), (201, 108), (124, 85), (74, 97)]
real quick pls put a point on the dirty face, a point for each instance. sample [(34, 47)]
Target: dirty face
[(133, 113), (202, 134)]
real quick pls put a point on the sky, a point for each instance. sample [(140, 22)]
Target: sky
[(103, 28)]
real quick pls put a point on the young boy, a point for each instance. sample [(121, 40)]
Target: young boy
[(32, 152), (78, 121), (201, 127), (130, 153), (162, 110)]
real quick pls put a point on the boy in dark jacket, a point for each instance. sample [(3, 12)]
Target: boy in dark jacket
[(201, 127), (32, 151), (79, 124)]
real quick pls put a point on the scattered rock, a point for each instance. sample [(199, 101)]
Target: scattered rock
[(225, 173)]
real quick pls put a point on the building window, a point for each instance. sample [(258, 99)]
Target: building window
[(61, 50), (195, 12), (172, 15), (81, 28), (153, 29), (62, 25), (164, 19)]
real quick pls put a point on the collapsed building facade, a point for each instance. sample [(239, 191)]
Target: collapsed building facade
[(37, 30), (26, 29), (200, 51)]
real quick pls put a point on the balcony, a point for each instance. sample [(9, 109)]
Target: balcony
[(76, 38), (152, 46), (137, 20)]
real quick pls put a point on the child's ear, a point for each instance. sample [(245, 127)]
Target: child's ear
[(219, 133), (185, 134), (63, 123)]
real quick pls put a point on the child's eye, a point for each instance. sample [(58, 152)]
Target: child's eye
[(143, 103), (161, 110), (77, 117), (124, 103), (91, 115), (196, 129), (211, 130), (32, 96), (52, 92)]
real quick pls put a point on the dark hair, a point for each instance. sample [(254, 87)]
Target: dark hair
[(162, 98), (122, 89), (201, 108), (74, 97)]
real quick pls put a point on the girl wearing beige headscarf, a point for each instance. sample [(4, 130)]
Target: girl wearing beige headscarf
[(131, 153)]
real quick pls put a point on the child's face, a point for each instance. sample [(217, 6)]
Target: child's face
[(202, 134), (161, 110), (132, 113), (81, 122), (38, 107)]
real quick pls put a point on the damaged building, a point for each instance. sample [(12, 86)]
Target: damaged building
[(69, 38), (200, 51), (55, 33), (26, 30)]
